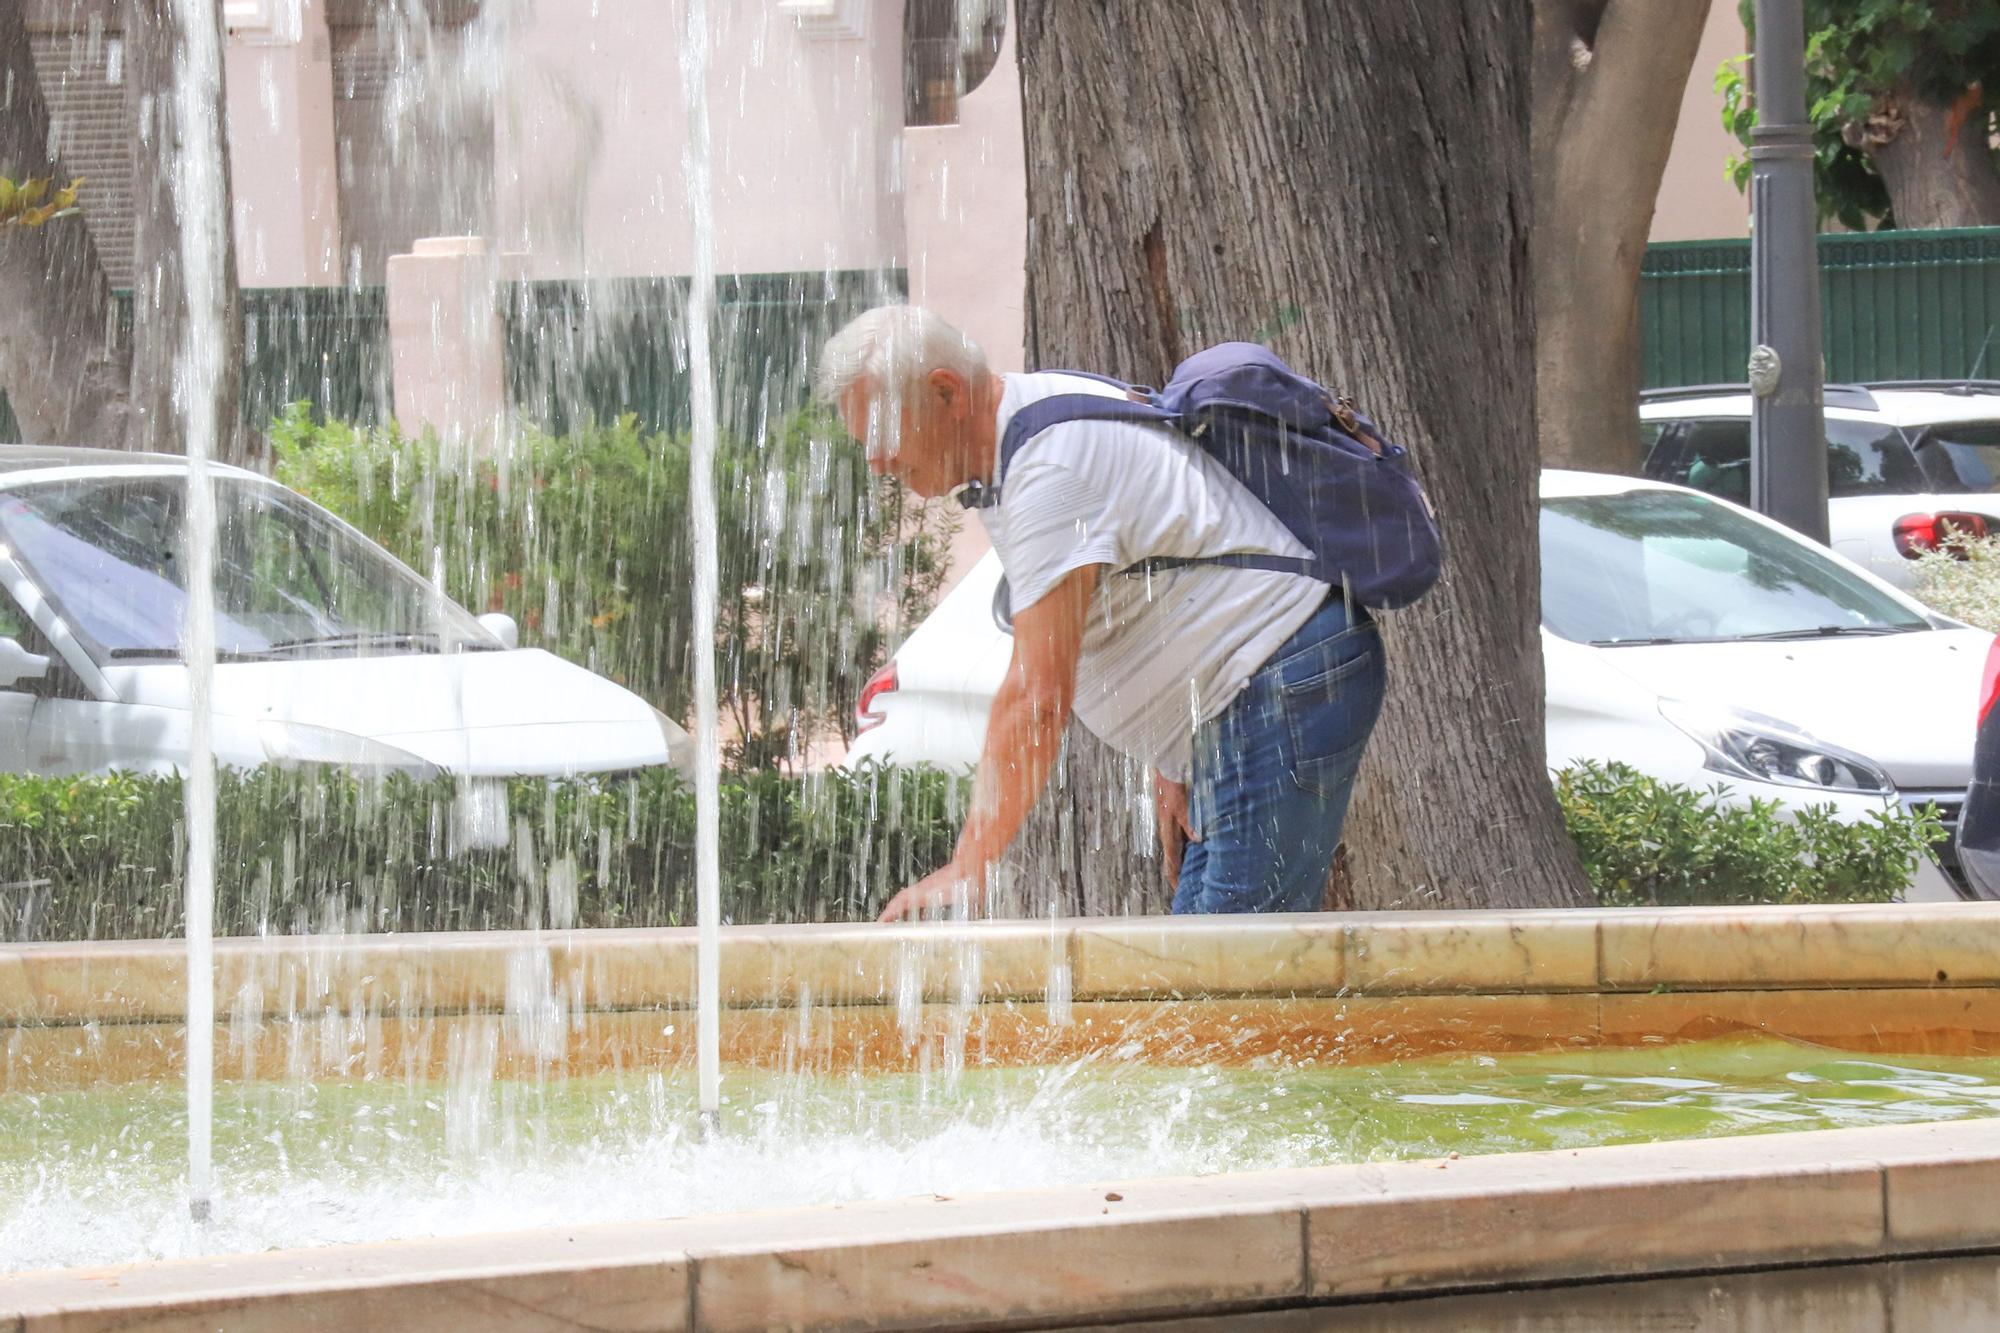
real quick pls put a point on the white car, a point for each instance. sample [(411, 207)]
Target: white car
[(1908, 462), (1691, 639), (328, 649)]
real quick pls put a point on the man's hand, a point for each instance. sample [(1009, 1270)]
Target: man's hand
[(1170, 813), (949, 887)]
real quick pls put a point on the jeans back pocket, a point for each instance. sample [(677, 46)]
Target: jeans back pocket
[(1332, 695)]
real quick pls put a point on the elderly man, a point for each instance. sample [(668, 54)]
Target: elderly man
[(1249, 692)]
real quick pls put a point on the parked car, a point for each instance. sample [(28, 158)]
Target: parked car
[(1689, 638), (1909, 463), (1979, 828), (328, 649)]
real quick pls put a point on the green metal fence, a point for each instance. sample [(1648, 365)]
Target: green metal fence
[(575, 350), (328, 346), (600, 349), (1896, 305)]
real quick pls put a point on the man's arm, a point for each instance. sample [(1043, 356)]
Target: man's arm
[(1023, 733)]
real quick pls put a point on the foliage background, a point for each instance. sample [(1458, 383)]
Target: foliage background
[(583, 538), (1858, 54)]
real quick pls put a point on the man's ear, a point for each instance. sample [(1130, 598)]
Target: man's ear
[(950, 392)]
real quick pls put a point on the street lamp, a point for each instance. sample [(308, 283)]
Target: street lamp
[(1787, 419)]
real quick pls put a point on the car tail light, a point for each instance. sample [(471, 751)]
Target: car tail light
[(881, 683), (1917, 533), (1989, 686)]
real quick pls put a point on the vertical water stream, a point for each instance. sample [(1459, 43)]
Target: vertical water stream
[(198, 200), (696, 171)]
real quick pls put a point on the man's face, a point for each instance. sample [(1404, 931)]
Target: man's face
[(915, 437)]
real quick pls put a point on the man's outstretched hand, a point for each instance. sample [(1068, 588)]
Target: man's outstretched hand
[(949, 887)]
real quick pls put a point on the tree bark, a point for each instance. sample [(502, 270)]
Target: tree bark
[(155, 44), (61, 363), (1934, 160), (1349, 183), (1608, 80), (1089, 847)]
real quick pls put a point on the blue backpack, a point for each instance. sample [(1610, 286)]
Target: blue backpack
[(1319, 466)]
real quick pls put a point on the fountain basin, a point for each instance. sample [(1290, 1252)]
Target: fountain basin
[(1299, 994)]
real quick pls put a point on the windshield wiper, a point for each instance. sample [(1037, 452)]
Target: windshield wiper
[(174, 655), (421, 640), (1829, 632), (1641, 643)]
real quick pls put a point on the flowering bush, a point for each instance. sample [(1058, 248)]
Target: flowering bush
[(1965, 586)]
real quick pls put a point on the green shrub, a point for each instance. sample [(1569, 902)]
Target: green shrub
[(584, 539), (1647, 843), (1966, 588), (320, 850)]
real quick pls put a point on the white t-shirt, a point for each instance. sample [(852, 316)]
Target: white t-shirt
[(1165, 652)]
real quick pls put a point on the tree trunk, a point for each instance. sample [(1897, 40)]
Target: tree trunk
[(61, 364), (155, 49), (1089, 846), (1608, 79), (1348, 183), (1935, 162)]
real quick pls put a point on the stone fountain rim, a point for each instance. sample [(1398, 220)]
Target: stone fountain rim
[(1575, 952)]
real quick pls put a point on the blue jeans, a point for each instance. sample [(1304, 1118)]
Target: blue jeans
[(1274, 772)]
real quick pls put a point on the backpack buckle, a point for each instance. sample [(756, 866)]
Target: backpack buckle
[(1343, 412)]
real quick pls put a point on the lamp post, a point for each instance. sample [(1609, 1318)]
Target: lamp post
[(1787, 418)]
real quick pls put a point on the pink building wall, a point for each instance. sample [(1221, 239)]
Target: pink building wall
[(805, 119), (278, 82), (1697, 201), (965, 214), (813, 167)]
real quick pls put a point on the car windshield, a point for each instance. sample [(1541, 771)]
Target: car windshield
[(1669, 567), (289, 581), (1961, 457)]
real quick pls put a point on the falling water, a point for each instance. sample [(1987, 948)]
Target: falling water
[(198, 199), (701, 501)]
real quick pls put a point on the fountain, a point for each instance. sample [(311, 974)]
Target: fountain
[(1453, 1102), (199, 199), (707, 736), (1051, 1122)]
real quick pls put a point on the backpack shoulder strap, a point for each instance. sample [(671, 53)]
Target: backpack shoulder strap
[(1054, 410)]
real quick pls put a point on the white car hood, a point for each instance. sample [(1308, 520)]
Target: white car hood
[(521, 711), (1832, 689)]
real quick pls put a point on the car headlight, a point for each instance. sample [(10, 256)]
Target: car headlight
[(291, 744), (1763, 749)]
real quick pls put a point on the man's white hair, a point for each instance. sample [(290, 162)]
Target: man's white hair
[(892, 348)]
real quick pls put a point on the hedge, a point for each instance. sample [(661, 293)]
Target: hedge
[(1652, 843), (299, 851), (322, 851)]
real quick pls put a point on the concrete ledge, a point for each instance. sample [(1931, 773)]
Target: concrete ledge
[(1146, 1249), (1614, 951)]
